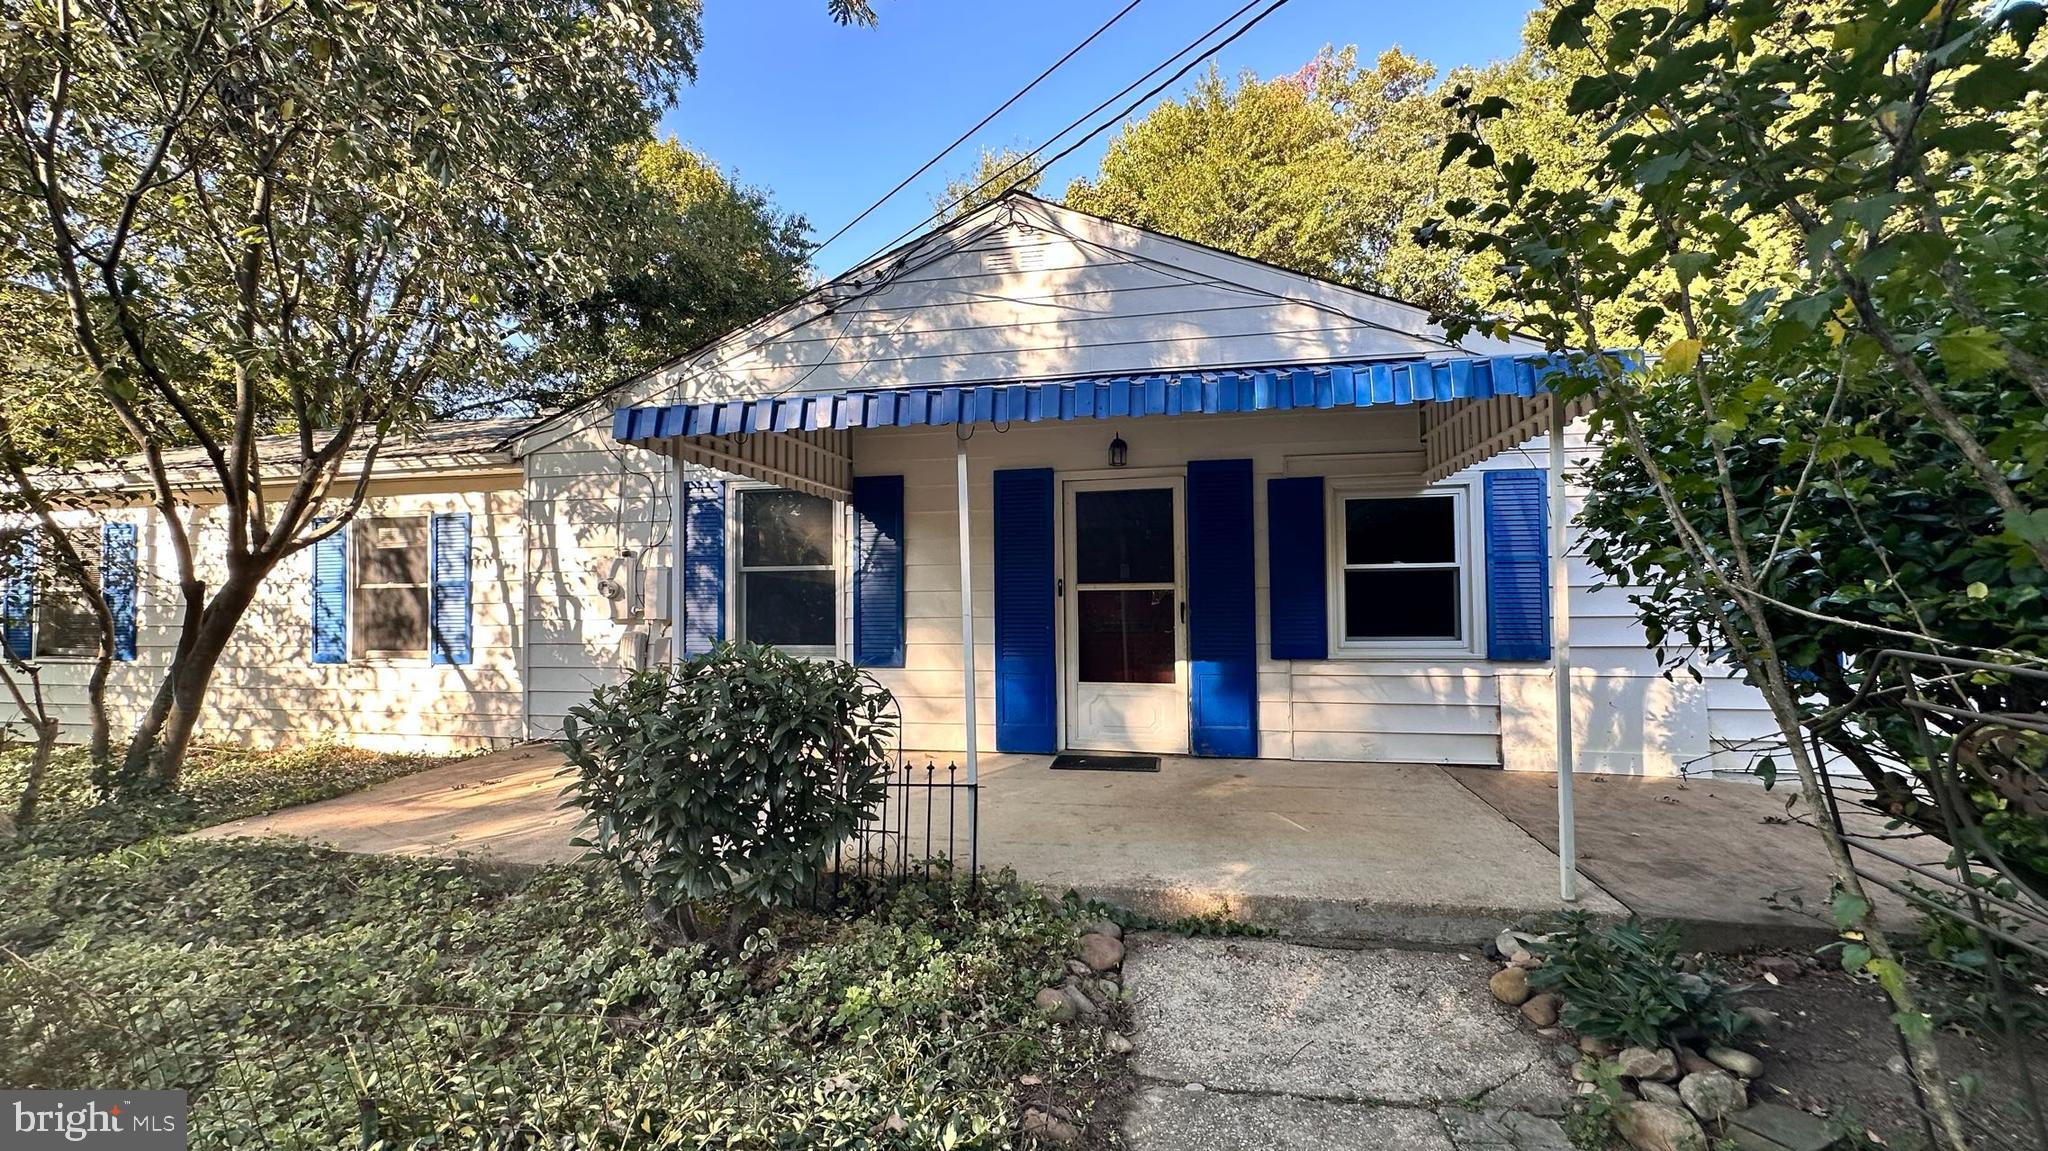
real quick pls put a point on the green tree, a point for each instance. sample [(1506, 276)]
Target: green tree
[(1330, 170), (698, 255), (303, 218), (999, 170), (1892, 150)]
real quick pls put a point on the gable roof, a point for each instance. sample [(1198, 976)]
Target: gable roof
[(1027, 290)]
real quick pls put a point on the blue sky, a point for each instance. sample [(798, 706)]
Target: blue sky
[(829, 118)]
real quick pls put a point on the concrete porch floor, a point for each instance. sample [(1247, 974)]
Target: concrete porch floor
[(1397, 852)]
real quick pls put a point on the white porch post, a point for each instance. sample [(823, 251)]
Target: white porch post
[(1561, 659), (678, 532), (966, 609)]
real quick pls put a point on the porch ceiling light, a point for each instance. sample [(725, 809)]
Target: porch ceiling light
[(1119, 452)]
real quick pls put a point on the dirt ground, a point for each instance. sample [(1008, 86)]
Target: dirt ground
[(1836, 1055)]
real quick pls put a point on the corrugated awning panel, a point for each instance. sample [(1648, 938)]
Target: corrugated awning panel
[(1321, 386)]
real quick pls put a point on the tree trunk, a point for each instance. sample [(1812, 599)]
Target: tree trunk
[(101, 747), (136, 764), (191, 671), (46, 745), (164, 734)]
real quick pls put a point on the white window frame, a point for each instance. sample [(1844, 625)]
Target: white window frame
[(1468, 535), (735, 494)]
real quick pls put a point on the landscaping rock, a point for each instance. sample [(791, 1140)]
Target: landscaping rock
[(1691, 1062), (1054, 1005), (1657, 1092), (1050, 1128), (1780, 967), (1712, 1095), (1776, 1127), (1082, 1003), (1077, 967), (1566, 1055), (1103, 927), (1595, 1046), (1658, 1127), (1118, 1044), (1541, 1009), (1642, 1063), (1101, 952), (1512, 945), (1741, 1063), (1765, 1019), (1510, 985)]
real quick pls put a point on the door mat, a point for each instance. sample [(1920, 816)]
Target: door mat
[(1105, 763)]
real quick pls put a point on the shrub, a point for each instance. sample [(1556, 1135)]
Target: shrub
[(1623, 982), (731, 776)]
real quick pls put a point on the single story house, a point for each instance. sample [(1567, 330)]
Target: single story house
[(1204, 506)]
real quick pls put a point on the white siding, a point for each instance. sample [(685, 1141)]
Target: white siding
[(1629, 718), (267, 691), (1026, 290), (588, 497)]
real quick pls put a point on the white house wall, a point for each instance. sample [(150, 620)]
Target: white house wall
[(1027, 290), (588, 498), (268, 692), (1628, 717)]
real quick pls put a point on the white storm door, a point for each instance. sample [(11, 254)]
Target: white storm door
[(1126, 639)]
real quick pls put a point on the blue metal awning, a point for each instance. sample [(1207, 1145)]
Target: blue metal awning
[(1322, 386)]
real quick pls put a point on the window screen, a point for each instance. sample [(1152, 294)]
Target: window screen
[(389, 594), (787, 590), (65, 625)]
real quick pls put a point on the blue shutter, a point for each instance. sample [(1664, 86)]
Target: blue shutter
[(703, 612), (1223, 656), (878, 571), (1297, 581), (117, 583), (330, 598), (18, 599), (1517, 565), (1027, 689), (448, 616)]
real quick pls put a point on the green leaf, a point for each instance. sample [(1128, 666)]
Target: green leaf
[(1457, 145), (1848, 908), (1854, 956), (1655, 171), (1996, 82), (1680, 356), (1913, 1024), (1971, 353), (1768, 772)]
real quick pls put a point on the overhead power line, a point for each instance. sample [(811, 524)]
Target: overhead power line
[(1104, 126), (1272, 7), (979, 125)]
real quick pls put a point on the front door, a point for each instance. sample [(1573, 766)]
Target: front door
[(1126, 636)]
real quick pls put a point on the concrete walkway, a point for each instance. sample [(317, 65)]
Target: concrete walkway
[(1363, 852), (1729, 862), (1256, 1045)]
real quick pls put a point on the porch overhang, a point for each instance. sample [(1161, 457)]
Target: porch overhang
[(1478, 406)]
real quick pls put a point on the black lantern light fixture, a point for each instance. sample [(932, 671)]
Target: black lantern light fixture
[(1119, 452)]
